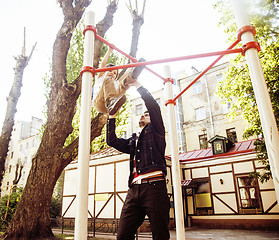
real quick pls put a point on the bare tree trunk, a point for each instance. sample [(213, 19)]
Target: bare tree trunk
[(138, 20), (18, 173), (12, 99), (32, 217)]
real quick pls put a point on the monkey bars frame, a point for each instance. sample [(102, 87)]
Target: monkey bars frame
[(250, 50)]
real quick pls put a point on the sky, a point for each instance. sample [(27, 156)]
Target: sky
[(171, 28)]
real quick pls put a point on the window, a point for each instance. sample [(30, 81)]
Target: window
[(27, 145), (10, 168), (231, 135), (139, 109), (124, 134), (219, 77), (203, 198), (158, 100), (248, 193), (203, 141), (200, 113), (197, 88), (12, 154), (226, 107)]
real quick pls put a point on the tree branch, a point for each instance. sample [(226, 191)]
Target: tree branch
[(70, 152)]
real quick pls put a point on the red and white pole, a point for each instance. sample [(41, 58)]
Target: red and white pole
[(81, 219), (176, 172), (266, 113)]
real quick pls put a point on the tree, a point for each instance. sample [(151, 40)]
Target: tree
[(32, 217), (7, 128), (237, 87)]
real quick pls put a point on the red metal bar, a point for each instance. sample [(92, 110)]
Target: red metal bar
[(127, 55), (206, 70), (130, 65), (247, 28), (114, 47), (248, 45), (87, 69)]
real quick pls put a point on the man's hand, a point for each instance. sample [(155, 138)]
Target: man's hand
[(114, 116), (136, 83)]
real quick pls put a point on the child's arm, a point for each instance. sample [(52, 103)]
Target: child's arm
[(105, 60), (126, 73)]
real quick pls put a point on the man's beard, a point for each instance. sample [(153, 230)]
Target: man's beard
[(142, 123)]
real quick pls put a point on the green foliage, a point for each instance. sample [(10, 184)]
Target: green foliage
[(236, 87), (10, 210), (55, 208)]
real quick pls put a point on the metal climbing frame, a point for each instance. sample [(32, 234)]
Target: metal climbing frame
[(249, 50)]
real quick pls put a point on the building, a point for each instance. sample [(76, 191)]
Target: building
[(23, 145), (218, 190)]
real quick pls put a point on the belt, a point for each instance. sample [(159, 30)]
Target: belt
[(149, 180)]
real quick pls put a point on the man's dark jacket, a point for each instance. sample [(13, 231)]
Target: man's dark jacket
[(151, 145)]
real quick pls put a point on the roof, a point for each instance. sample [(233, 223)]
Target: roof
[(107, 152), (202, 154), (239, 148)]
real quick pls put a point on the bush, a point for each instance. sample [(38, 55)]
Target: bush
[(55, 208), (11, 208)]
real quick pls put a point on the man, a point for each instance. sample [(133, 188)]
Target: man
[(147, 194), (109, 91)]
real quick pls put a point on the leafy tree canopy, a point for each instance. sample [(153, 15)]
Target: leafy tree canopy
[(236, 87)]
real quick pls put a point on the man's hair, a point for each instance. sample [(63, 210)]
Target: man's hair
[(111, 65)]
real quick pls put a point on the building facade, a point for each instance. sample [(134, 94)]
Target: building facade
[(220, 193), (200, 115), (24, 143)]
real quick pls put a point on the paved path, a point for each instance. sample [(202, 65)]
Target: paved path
[(202, 234)]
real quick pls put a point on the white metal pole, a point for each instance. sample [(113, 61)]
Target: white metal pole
[(176, 177), (267, 117), (81, 219)]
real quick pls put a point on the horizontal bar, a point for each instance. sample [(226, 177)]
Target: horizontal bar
[(205, 71), (130, 65)]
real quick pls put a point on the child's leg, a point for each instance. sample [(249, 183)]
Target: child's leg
[(109, 89), (99, 101), (106, 92)]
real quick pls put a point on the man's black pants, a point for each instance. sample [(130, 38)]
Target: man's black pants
[(149, 199)]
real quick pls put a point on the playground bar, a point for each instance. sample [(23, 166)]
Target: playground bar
[(268, 122), (176, 175), (205, 71), (81, 219), (126, 55), (201, 55)]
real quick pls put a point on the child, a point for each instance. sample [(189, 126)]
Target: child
[(109, 91)]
